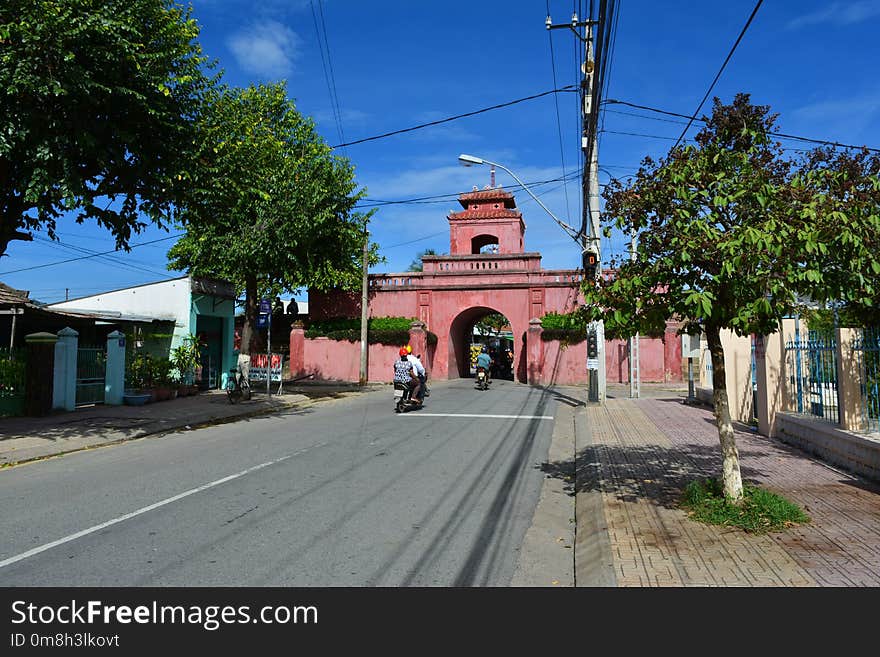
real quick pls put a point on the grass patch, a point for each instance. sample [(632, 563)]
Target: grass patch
[(759, 512)]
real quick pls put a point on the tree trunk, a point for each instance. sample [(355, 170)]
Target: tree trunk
[(731, 477), (251, 310)]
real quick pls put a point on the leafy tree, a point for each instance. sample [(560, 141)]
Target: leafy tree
[(97, 104), (272, 210), (845, 212), (416, 264), (731, 233), (492, 324)]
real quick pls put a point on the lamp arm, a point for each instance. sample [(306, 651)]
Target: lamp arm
[(568, 229)]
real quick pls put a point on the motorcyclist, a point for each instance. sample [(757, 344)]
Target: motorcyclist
[(420, 372), (405, 373), (485, 361)]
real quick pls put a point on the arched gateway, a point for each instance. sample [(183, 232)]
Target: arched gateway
[(455, 291)]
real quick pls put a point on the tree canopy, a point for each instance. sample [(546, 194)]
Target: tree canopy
[(734, 235), (271, 209), (97, 108), (416, 264)]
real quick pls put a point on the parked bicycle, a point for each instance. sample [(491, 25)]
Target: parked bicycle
[(237, 386)]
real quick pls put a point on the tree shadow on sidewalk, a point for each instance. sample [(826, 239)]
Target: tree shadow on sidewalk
[(650, 472)]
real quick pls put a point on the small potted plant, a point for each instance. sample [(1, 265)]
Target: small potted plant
[(162, 380), (138, 380), (187, 360)]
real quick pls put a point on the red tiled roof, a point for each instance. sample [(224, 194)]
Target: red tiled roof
[(485, 194), (486, 214), (495, 194)]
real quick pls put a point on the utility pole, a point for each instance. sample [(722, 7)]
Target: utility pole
[(635, 374), (588, 236), (364, 311)]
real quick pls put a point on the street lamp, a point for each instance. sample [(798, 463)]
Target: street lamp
[(589, 256)]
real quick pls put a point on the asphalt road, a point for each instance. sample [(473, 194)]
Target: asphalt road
[(345, 493)]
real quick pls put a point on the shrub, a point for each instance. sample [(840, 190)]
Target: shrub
[(12, 375), (186, 358), (380, 330), (139, 371), (569, 328), (161, 372)]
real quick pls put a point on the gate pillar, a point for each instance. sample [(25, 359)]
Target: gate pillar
[(297, 349), (64, 383), (40, 363), (114, 373), (418, 340), (535, 347)]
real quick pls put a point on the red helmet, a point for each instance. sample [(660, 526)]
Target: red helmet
[(402, 351)]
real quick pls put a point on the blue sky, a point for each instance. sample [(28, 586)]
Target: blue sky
[(399, 64)]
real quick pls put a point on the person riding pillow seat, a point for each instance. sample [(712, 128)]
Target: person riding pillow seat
[(405, 373), (420, 371)]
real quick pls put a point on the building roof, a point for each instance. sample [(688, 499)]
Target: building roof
[(493, 194), (9, 295), (113, 316), (486, 213)]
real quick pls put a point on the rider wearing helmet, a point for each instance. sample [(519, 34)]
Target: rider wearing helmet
[(485, 361), (405, 373)]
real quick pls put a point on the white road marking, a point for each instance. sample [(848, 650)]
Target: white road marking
[(482, 415), (141, 511)]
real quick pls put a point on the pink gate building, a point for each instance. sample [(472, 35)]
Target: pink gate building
[(487, 271)]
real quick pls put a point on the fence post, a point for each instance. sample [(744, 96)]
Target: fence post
[(849, 381), (770, 376), (114, 373), (64, 383)]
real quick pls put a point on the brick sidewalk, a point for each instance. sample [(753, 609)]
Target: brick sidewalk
[(637, 456)]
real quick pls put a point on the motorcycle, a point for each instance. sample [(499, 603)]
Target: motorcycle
[(482, 379), (237, 387), (403, 400)]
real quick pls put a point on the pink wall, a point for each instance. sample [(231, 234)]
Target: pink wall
[(564, 365), (659, 362), (340, 360)]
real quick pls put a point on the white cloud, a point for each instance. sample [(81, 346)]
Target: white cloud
[(267, 49), (839, 13), (349, 117), (846, 118)]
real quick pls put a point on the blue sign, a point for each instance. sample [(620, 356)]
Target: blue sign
[(262, 321), (265, 306)]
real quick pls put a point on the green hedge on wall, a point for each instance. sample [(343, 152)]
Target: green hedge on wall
[(380, 330), (569, 328), (568, 336)]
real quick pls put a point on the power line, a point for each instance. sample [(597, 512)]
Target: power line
[(558, 119), (720, 71), (327, 65), (86, 257), (420, 239), (636, 134), (642, 116), (130, 266), (570, 87), (783, 135), (443, 198)]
